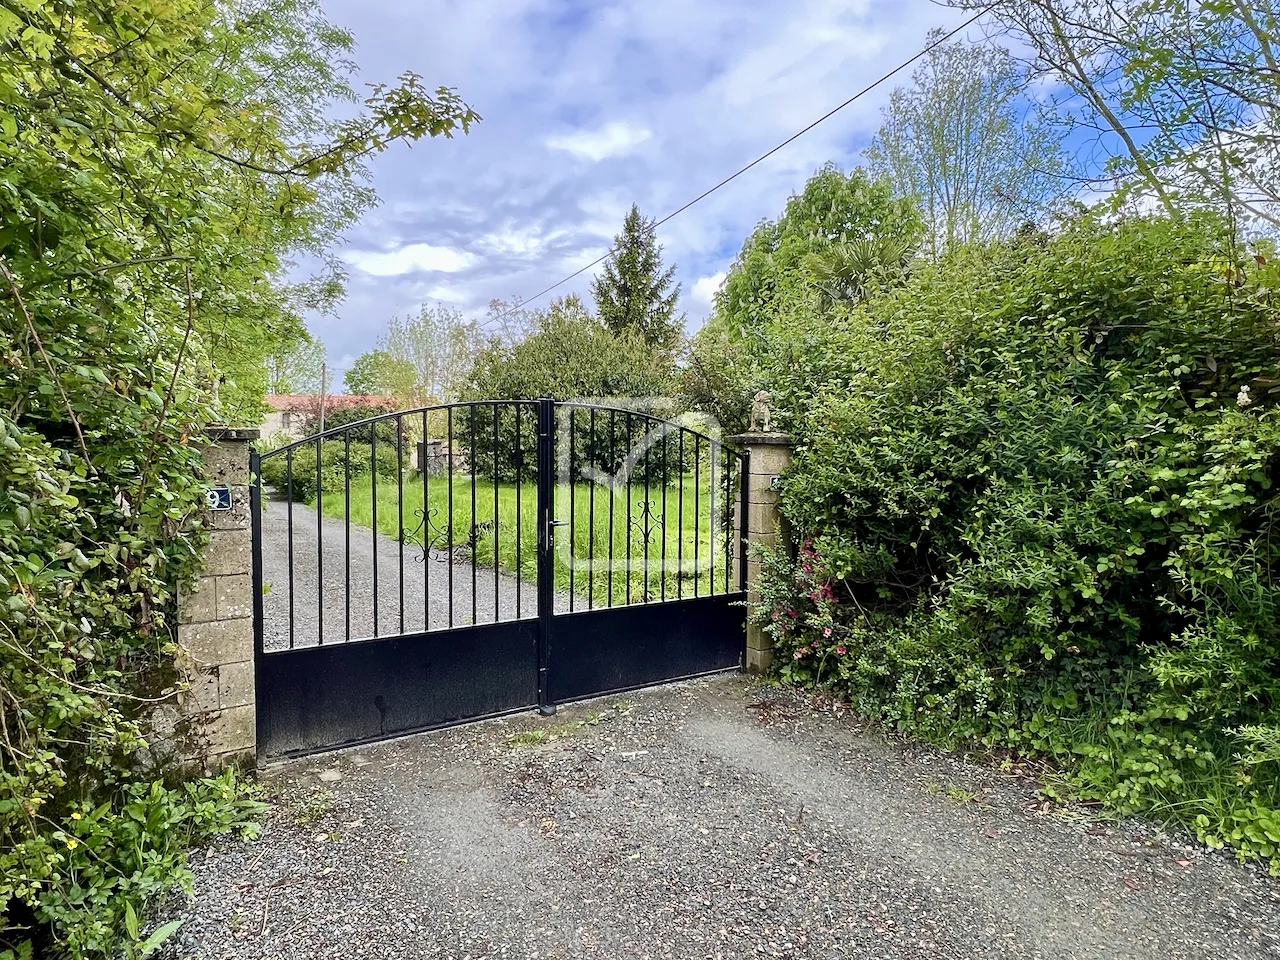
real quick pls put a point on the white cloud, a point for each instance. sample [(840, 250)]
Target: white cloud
[(522, 242), (589, 107), (704, 291), (413, 258), (612, 140)]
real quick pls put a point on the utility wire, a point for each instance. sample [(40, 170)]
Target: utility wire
[(758, 160)]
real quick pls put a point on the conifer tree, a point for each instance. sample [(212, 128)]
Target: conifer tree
[(634, 293)]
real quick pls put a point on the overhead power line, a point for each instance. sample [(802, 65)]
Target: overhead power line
[(758, 160)]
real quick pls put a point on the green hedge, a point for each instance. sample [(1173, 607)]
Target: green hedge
[(332, 474), (1033, 499)]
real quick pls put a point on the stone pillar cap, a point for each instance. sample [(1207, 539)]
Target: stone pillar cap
[(221, 432), (772, 439)]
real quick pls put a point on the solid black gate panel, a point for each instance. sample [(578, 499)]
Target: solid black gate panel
[(601, 651), (314, 698)]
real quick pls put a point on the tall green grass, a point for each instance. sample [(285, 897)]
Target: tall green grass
[(671, 551)]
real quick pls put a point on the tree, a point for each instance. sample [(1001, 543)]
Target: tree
[(570, 355), (634, 292), (438, 346), (510, 322), (833, 212), (1181, 99), (297, 369), (954, 142), (378, 373)]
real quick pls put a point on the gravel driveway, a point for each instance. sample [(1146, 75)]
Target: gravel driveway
[(498, 596), (704, 819)]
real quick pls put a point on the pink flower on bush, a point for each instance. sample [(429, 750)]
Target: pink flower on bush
[(791, 614), (816, 645), (798, 654), (826, 632), (841, 649)]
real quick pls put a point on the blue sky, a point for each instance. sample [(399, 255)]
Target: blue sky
[(588, 107)]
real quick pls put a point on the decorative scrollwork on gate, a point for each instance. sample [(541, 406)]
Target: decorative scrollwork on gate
[(648, 522), (429, 536)]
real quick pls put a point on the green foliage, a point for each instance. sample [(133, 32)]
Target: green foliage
[(633, 293), (1034, 495), (430, 355), (299, 473), (569, 356), (378, 373), (958, 143), (834, 208), (842, 238), (718, 377), (348, 414), (1182, 96), (297, 369), (159, 164), (88, 876)]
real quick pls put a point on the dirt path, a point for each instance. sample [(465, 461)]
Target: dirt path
[(706, 819)]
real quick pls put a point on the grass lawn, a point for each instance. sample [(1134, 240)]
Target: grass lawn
[(637, 565)]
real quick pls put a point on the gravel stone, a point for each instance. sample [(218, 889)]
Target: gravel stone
[(707, 819)]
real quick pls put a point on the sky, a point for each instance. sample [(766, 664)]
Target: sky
[(589, 107)]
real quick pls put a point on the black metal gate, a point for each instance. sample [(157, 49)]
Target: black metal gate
[(466, 560)]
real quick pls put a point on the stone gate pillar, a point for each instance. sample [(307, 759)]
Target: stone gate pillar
[(215, 617), (769, 455)]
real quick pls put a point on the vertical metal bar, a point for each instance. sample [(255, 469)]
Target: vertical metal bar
[(680, 524), (573, 513), (666, 480), (449, 558), (627, 529), (426, 529), (697, 507), (495, 513), (613, 491), (711, 517), (744, 478), (591, 519), (546, 560), (255, 559), (288, 494), (319, 549), (255, 547), (399, 422), (646, 517), (373, 493), (518, 409), (474, 536), (346, 494), (728, 527)]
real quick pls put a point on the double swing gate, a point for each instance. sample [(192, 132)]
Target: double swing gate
[(467, 560)]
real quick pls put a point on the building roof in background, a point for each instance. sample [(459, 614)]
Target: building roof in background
[(302, 402)]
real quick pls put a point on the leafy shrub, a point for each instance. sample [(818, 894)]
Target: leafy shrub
[(1033, 493), (89, 563), (331, 474)]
